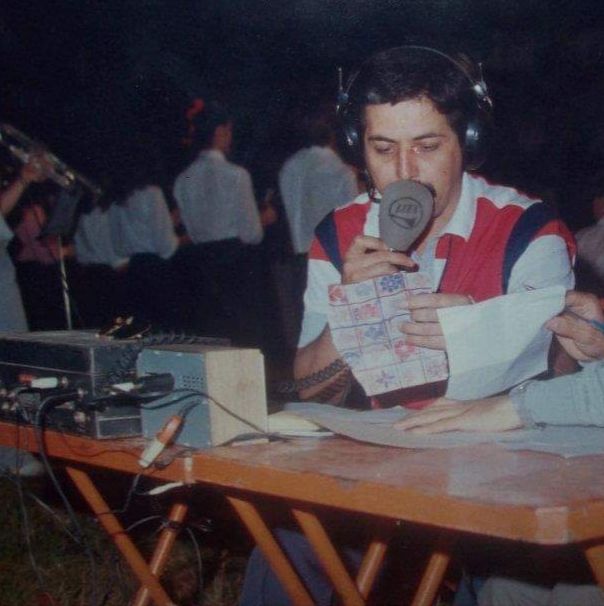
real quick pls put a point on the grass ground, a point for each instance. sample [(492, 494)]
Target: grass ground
[(42, 565)]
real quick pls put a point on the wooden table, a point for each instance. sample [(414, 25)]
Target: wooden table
[(522, 496)]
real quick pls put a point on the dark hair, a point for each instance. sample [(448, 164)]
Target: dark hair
[(207, 121), (319, 132), (407, 73)]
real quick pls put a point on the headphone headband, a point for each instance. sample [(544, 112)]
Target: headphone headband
[(474, 141)]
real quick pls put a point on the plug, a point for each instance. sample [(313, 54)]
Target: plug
[(162, 439)]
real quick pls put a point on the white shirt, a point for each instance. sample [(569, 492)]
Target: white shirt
[(216, 201), (143, 224), (590, 247), (312, 183), (93, 241)]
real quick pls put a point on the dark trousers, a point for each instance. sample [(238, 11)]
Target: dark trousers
[(220, 290)]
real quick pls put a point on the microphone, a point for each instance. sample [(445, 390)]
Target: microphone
[(405, 209)]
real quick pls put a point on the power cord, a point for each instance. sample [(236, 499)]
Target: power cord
[(167, 434), (39, 421)]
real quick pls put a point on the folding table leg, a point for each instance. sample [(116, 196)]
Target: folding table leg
[(370, 566), (329, 558), (117, 533), (433, 575), (163, 548), (595, 557), (272, 551)]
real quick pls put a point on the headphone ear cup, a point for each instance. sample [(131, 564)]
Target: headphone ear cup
[(476, 141), (350, 139)]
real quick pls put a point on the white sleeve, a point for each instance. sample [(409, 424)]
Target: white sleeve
[(250, 228), (545, 262), (321, 274), (166, 240)]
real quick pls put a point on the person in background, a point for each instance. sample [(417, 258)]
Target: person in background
[(36, 260), (218, 209), (312, 182), (100, 283), (12, 314), (590, 251), (576, 399), (142, 231)]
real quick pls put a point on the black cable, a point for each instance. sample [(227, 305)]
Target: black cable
[(22, 509), (203, 394), (40, 503), (131, 492), (124, 365), (45, 405), (199, 592), (27, 533)]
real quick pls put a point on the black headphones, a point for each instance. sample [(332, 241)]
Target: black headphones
[(477, 134)]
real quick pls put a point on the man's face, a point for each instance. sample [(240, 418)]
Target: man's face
[(413, 140)]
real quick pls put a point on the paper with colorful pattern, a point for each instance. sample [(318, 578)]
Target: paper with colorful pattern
[(364, 319)]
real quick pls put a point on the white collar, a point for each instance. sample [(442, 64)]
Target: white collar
[(211, 153), (462, 221)]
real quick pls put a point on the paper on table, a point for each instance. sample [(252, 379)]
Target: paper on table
[(376, 427), (496, 344)]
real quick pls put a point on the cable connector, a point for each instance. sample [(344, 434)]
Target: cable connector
[(162, 439), (155, 383)]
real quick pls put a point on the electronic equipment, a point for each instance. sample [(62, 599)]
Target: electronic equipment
[(226, 392), (405, 211), (71, 360), (475, 139), (107, 372)]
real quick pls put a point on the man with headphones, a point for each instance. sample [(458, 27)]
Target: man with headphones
[(418, 114), (413, 113)]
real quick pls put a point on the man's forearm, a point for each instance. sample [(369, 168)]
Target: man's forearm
[(10, 196), (576, 399), (319, 371)]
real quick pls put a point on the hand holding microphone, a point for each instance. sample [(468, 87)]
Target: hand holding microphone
[(405, 211)]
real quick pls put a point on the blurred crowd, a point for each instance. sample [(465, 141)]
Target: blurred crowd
[(199, 246)]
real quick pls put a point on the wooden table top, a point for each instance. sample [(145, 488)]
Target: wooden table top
[(535, 497)]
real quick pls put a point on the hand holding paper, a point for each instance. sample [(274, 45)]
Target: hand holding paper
[(496, 344), (425, 330)]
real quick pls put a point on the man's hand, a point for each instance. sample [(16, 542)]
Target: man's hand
[(491, 414), (425, 329), (36, 169), (369, 257), (580, 339)]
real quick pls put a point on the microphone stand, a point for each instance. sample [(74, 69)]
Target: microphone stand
[(64, 284)]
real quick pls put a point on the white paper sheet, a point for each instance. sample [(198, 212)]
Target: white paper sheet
[(496, 344), (375, 427)]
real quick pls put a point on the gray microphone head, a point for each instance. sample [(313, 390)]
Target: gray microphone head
[(405, 210)]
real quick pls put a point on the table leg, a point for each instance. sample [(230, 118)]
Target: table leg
[(163, 548), (272, 551), (595, 557), (370, 566), (119, 536), (433, 575), (329, 558)]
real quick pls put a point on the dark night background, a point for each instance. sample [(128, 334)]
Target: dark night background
[(97, 80)]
